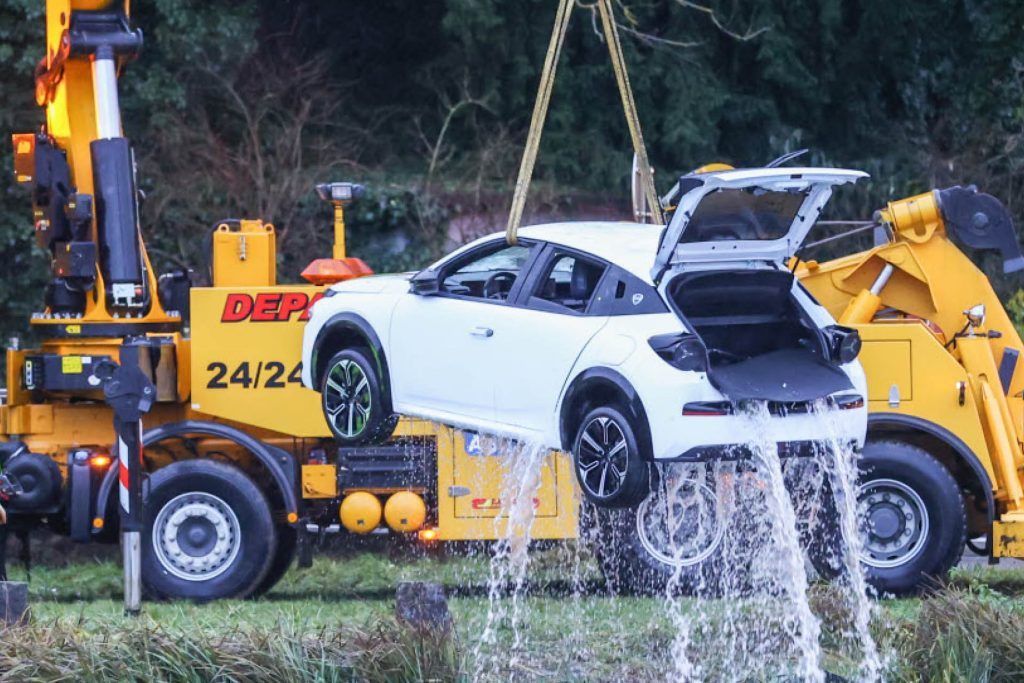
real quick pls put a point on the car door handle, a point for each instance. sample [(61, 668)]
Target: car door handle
[(482, 332)]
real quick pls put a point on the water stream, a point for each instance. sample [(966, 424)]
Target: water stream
[(510, 559), (735, 533), (840, 461)]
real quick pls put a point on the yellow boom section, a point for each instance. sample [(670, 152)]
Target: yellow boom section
[(938, 344)]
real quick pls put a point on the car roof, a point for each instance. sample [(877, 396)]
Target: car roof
[(630, 246)]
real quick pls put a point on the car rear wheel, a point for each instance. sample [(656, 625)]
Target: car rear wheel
[(353, 400), (209, 534), (609, 464)]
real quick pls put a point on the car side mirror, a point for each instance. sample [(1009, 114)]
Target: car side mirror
[(426, 283)]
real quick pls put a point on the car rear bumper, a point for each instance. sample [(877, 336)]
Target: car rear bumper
[(746, 451), (698, 437)]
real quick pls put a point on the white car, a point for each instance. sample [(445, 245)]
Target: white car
[(624, 344)]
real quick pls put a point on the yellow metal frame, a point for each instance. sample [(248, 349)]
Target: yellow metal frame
[(908, 300)]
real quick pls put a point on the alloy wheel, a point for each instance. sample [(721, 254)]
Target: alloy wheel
[(603, 457), (347, 398), (681, 524)]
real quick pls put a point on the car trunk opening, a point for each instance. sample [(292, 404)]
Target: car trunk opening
[(761, 344)]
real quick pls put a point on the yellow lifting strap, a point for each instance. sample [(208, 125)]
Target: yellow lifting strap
[(540, 111), (611, 37)]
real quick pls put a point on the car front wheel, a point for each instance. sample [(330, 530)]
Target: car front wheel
[(353, 400), (609, 464)]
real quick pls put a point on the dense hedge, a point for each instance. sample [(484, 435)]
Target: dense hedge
[(237, 106)]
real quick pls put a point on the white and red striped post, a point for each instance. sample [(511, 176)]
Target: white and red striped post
[(129, 392), (129, 453)]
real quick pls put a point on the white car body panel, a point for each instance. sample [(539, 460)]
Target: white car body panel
[(371, 298), (436, 356), (528, 384)]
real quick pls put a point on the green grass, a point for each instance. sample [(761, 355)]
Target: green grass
[(335, 621)]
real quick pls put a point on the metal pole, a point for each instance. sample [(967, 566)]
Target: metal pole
[(129, 449), (883, 279)]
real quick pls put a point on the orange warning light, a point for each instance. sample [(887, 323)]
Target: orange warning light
[(327, 271)]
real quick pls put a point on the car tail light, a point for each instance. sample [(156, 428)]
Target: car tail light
[(843, 343), (707, 409), (683, 351), (848, 401)]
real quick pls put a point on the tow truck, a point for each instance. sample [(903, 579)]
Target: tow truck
[(944, 458), (242, 475)]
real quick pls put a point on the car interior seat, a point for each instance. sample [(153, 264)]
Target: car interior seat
[(582, 283)]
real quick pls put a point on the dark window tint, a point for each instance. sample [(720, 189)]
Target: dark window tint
[(743, 214), (569, 282), (622, 293)]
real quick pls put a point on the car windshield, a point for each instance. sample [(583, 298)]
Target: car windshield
[(751, 213)]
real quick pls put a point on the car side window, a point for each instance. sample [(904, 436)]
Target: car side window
[(568, 282), (490, 275)]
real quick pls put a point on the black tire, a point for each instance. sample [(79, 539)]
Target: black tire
[(233, 533), (287, 548), (918, 522), (354, 404), (611, 468)]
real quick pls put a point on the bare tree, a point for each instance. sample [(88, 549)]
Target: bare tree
[(249, 145)]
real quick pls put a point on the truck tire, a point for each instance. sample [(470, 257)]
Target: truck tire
[(610, 468), (353, 400), (287, 547), (913, 523), (209, 533)]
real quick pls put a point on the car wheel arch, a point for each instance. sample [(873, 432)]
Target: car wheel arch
[(348, 330), (955, 455), (279, 464), (606, 386)]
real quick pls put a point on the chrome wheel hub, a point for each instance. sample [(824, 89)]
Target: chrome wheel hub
[(894, 523), (347, 399), (603, 457), (196, 536)]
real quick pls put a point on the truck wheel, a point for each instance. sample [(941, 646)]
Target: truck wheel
[(353, 401), (610, 468), (209, 533), (667, 542), (913, 525)]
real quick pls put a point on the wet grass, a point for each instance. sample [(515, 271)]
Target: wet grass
[(335, 621)]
